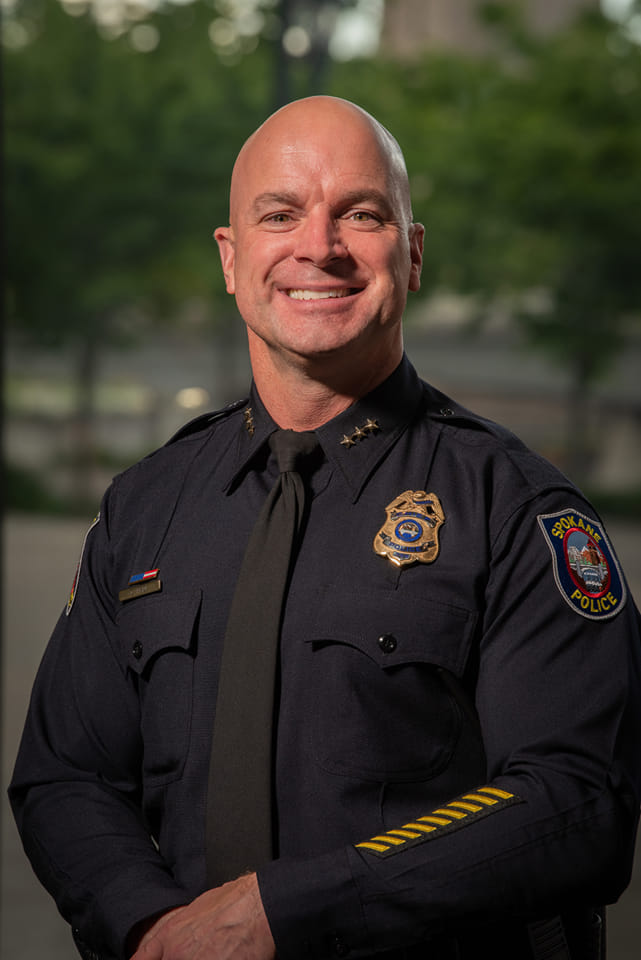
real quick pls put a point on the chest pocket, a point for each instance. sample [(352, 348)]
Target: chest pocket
[(158, 637), (383, 704)]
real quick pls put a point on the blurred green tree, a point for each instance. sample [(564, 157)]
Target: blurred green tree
[(121, 126), (117, 161), (526, 169), (525, 166)]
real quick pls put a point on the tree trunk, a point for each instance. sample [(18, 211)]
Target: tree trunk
[(579, 414), (84, 446)]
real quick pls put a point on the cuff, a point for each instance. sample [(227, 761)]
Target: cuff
[(313, 908)]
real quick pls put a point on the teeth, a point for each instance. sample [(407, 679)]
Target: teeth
[(317, 294)]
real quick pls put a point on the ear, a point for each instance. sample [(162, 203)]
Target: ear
[(226, 248), (416, 236)]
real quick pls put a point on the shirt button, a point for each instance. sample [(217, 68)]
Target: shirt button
[(340, 949), (137, 649), (387, 643), (447, 412)]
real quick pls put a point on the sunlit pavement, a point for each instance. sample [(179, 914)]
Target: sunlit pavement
[(40, 557)]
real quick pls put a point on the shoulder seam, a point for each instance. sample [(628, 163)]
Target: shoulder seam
[(205, 420)]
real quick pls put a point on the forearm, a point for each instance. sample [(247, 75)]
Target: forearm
[(90, 850), (227, 923), (523, 860)]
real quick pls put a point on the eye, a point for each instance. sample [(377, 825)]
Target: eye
[(278, 218), (366, 217)]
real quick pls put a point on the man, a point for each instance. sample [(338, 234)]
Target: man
[(456, 752)]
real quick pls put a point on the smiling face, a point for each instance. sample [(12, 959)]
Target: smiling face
[(321, 251)]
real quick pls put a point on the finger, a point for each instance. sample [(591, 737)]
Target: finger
[(151, 950)]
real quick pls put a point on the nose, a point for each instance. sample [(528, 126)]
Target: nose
[(318, 238)]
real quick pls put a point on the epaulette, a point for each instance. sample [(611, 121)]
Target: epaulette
[(456, 414), (473, 424), (205, 420), (438, 406)]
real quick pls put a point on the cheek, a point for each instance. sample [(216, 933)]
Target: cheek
[(391, 262), (252, 275), (401, 271)]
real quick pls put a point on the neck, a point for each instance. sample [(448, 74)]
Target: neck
[(305, 396)]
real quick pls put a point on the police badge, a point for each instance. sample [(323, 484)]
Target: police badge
[(410, 533)]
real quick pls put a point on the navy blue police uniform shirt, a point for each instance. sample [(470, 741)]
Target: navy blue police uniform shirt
[(448, 581)]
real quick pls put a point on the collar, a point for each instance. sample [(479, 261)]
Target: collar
[(355, 441)]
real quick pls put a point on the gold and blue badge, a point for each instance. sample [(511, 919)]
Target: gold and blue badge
[(586, 569), (410, 533)]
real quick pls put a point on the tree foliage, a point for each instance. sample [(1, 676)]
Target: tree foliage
[(526, 169), (117, 166), (525, 166)]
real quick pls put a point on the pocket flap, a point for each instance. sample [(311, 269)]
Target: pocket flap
[(151, 625), (393, 628)]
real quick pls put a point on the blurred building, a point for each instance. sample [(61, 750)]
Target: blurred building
[(412, 26)]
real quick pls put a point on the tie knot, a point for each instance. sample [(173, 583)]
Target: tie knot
[(291, 447)]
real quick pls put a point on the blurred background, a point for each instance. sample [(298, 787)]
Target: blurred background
[(521, 126)]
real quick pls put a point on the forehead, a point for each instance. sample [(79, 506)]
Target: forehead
[(326, 155)]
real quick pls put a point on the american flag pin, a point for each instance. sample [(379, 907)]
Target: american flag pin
[(141, 577)]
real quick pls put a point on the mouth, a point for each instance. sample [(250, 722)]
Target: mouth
[(337, 294)]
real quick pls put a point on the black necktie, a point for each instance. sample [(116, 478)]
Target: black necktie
[(239, 798)]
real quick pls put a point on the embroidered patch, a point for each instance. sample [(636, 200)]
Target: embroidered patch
[(465, 810), (586, 569), (74, 585), (410, 532)]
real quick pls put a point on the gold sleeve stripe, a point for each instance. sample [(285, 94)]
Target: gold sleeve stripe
[(455, 815), (404, 832), (479, 798), (388, 839), (375, 847), (495, 792)]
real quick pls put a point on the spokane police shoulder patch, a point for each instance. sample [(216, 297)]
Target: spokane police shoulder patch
[(586, 569)]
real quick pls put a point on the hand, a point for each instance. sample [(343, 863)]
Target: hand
[(226, 923)]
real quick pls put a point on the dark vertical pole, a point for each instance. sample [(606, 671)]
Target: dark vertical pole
[(2, 464)]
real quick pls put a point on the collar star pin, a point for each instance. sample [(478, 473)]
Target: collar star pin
[(410, 533), (360, 433), (249, 421)]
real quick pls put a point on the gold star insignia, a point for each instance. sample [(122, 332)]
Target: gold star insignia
[(347, 441), (359, 433), (372, 426), (249, 421)]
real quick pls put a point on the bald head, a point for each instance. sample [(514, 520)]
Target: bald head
[(321, 251), (332, 118)]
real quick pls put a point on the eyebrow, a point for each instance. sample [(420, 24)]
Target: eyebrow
[(279, 199), (347, 200)]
